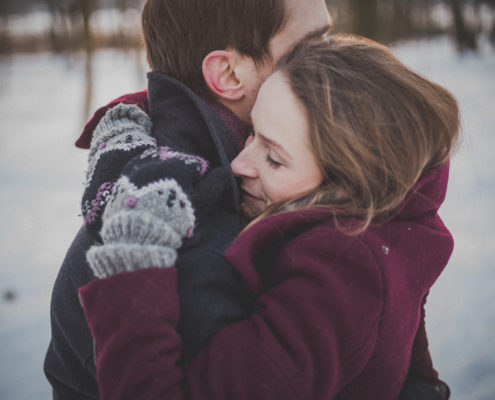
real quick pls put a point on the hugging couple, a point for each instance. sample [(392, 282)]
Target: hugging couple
[(261, 223)]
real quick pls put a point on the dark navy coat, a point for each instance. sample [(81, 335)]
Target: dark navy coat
[(210, 289)]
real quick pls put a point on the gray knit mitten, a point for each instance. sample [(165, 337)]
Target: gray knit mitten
[(142, 227), (122, 134), (124, 127)]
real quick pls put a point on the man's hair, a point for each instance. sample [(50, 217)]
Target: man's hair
[(375, 125), (178, 34)]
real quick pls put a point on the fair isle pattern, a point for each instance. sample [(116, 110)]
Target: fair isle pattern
[(120, 119), (124, 128), (166, 153), (129, 145), (91, 210), (123, 133)]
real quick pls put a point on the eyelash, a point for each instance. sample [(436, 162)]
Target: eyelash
[(273, 163)]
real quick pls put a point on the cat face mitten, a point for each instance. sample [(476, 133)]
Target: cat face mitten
[(142, 227)]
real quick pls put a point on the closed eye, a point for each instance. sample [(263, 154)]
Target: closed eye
[(272, 162)]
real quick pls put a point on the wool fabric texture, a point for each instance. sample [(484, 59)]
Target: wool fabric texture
[(139, 99), (142, 228), (112, 259)]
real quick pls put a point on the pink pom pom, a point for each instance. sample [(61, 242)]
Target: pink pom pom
[(131, 202)]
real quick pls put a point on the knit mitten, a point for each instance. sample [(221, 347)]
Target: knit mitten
[(142, 227), (122, 134)]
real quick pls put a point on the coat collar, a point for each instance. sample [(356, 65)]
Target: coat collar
[(185, 122), (424, 199), (427, 195)]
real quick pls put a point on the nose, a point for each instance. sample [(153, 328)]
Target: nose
[(243, 165)]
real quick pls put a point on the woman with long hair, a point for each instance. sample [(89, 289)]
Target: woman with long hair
[(343, 175)]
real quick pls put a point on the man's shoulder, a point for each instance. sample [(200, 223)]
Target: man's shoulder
[(138, 98), (75, 270)]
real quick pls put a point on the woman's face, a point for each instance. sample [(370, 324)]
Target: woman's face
[(277, 162)]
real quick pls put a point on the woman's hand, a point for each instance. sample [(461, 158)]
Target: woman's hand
[(142, 227)]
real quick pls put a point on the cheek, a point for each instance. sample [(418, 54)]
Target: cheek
[(269, 184), (278, 185), (291, 184)]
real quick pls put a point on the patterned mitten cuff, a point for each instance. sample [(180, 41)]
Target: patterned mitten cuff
[(111, 259)]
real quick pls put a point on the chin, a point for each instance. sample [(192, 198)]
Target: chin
[(249, 212)]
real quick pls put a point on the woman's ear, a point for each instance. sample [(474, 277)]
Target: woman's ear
[(219, 71)]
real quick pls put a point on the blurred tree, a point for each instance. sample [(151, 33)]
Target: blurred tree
[(125, 35), (87, 8), (490, 4), (401, 20), (390, 20), (17, 6), (60, 27), (465, 36), (71, 29), (5, 40), (364, 17)]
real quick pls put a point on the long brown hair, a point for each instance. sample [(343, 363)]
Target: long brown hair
[(178, 34), (375, 125)]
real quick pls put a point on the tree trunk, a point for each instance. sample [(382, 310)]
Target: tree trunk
[(401, 18), (87, 7), (465, 37)]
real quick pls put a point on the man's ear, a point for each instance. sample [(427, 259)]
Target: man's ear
[(219, 71)]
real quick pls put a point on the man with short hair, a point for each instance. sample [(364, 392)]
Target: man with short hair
[(221, 50)]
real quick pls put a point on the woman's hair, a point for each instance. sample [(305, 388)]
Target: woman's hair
[(178, 34), (375, 125)]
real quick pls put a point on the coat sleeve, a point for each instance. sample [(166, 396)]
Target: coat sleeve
[(132, 318), (313, 328)]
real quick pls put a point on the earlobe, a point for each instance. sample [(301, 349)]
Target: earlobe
[(220, 75)]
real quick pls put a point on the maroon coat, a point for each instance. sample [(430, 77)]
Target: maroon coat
[(332, 314)]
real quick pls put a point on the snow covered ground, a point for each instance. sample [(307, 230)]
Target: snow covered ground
[(461, 307), (41, 174)]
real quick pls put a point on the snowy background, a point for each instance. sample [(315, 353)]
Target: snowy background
[(41, 175)]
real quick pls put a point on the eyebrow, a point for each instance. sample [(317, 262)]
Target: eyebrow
[(276, 145)]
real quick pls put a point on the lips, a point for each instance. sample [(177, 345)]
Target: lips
[(250, 198), (251, 206)]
